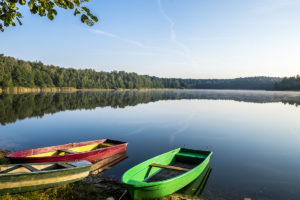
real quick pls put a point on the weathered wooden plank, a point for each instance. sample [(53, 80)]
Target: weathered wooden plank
[(67, 151), (169, 167), (66, 165), (10, 169), (30, 168)]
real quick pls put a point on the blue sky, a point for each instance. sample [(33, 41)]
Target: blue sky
[(167, 38)]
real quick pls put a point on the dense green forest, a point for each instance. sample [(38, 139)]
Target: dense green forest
[(19, 73), (292, 83), (21, 106)]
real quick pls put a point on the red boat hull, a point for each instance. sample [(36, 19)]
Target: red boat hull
[(91, 156)]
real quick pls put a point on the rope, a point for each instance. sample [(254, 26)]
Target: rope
[(123, 194)]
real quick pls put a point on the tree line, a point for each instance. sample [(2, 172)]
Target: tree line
[(20, 73), (291, 83)]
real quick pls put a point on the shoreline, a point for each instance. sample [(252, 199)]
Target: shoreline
[(23, 90)]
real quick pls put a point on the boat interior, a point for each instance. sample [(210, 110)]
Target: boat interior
[(24, 168), (74, 150), (171, 166)]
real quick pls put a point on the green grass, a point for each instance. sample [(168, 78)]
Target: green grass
[(67, 192), (2, 159)]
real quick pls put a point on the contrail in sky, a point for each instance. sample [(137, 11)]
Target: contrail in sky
[(133, 42), (185, 49)]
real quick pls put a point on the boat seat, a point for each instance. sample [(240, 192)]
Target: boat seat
[(29, 167), (10, 169), (103, 145), (191, 155), (67, 151), (65, 165), (58, 165), (168, 167)]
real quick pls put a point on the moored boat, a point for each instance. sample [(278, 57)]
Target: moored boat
[(165, 173), (91, 151), (15, 178)]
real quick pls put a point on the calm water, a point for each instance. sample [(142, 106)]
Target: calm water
[(255, 135)]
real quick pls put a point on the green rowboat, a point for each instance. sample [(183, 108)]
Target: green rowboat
[(29, 177), (166, 173)]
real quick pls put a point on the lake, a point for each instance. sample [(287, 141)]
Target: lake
[(254, 135)]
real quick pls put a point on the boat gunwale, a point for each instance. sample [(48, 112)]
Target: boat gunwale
[(11, 156), (46, 171), (139, 184)]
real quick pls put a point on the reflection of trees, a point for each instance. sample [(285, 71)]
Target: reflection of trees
[(21, 106)]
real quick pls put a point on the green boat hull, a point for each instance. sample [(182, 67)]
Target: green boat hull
[(136, 178)]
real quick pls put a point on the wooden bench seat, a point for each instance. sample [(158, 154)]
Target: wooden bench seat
[(29, 167), (65, 165), (168, 167)]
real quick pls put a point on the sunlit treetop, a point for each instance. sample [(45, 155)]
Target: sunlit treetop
[(10, 16)]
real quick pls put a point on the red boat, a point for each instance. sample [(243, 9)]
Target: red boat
[(91, 151)]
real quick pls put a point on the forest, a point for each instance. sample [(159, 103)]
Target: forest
[(20, 73), (291, 83)]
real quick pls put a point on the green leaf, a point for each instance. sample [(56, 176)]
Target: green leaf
[(50, 16), (54, 12), (30, 5), (20, 23), (94, 18), (84, 18), (76, 12), (22, 2)]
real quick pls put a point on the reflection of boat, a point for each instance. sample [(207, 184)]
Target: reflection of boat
[(166, 173), (107, 163), (197, 186), (91, 151), (28, 177)]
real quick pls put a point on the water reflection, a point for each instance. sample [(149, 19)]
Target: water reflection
[(21, 106), (194, 189), (108, 163), (255, 145)]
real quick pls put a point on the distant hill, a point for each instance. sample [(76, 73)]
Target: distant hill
[(20, 73)]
